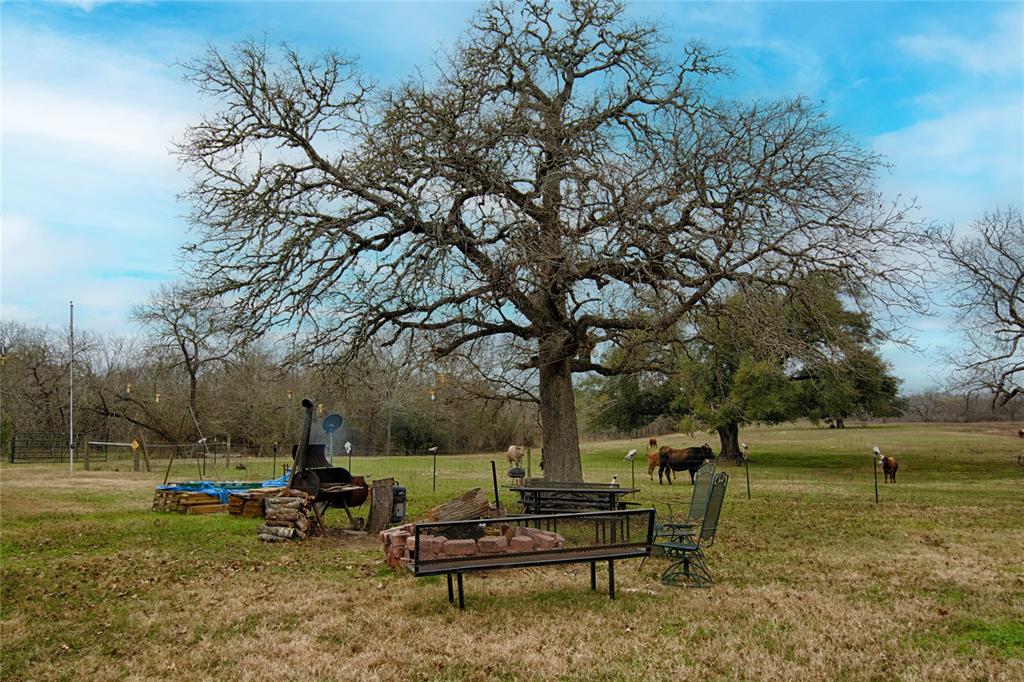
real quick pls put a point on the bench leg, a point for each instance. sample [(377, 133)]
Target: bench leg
[(451, 593), (462, 603), (593, 576), (611, 578)]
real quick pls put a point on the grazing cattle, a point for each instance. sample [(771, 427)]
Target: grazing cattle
[(1020, 433), (515, 455), (889, 466), (688, 459)]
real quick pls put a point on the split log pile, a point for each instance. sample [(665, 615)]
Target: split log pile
[(470, 505), (185, 502), (290, 515), (400, 542), (249, 504)]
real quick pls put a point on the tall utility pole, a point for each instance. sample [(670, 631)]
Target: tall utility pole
[(71, 392)]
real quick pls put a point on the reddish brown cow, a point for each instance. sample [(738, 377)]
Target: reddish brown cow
[(889, 466), (652, 457)]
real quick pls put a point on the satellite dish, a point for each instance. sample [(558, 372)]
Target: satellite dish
[(332, 423)]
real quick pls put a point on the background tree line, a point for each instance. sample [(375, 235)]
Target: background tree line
[(144, 386)]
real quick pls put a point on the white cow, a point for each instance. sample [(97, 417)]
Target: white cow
[(515, 455)]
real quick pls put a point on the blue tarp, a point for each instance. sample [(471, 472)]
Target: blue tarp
[(276, 482), (221, 490)]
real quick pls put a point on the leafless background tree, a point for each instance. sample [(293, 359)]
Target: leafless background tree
[(562, 181), (988, 293)]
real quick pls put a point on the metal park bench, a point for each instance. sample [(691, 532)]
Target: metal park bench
[(687, 548), (455, 547)]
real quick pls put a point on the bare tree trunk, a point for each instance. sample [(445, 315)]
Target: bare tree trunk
[(558, 412), (729, 435), (193, 390)]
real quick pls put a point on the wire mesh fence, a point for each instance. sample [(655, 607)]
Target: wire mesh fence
[(428, 477)]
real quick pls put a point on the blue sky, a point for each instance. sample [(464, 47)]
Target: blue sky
[(92, 99)]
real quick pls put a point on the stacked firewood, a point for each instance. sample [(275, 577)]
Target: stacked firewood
[(187, 502), (290, 515), (469, 505), (249, 504)]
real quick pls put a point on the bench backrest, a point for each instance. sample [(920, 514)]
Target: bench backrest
[(709, 527), (479, 544)]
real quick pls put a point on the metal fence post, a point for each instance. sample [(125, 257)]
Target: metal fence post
[(874, 467), (746, 467)]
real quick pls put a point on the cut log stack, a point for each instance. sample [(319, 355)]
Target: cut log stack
[(470, 505), (289, 516), (185, 502), (249, 504)]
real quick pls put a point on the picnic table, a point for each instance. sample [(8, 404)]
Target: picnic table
[(543, 497)]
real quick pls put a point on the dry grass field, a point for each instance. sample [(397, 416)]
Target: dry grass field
[(814, 580)]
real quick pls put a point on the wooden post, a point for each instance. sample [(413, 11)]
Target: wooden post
[(145, 454), (87, 458)]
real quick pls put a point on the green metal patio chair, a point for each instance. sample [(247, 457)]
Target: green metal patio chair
[(689, 567), (688, 525), (682, 527)]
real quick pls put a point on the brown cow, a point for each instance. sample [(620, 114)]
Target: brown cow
[(1020, 433), (689, 459), (889, 466), (652, 457)]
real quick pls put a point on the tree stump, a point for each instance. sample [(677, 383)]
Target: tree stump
[(382, 498)]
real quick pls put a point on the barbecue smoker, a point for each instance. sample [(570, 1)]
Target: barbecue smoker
[(329, 486)]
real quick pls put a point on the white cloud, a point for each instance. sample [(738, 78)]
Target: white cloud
[(112, 128), (42, 268), (961, 163), (1001, 52)]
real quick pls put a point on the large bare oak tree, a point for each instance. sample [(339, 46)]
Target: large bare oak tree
[(988, 294), (561, 179)]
